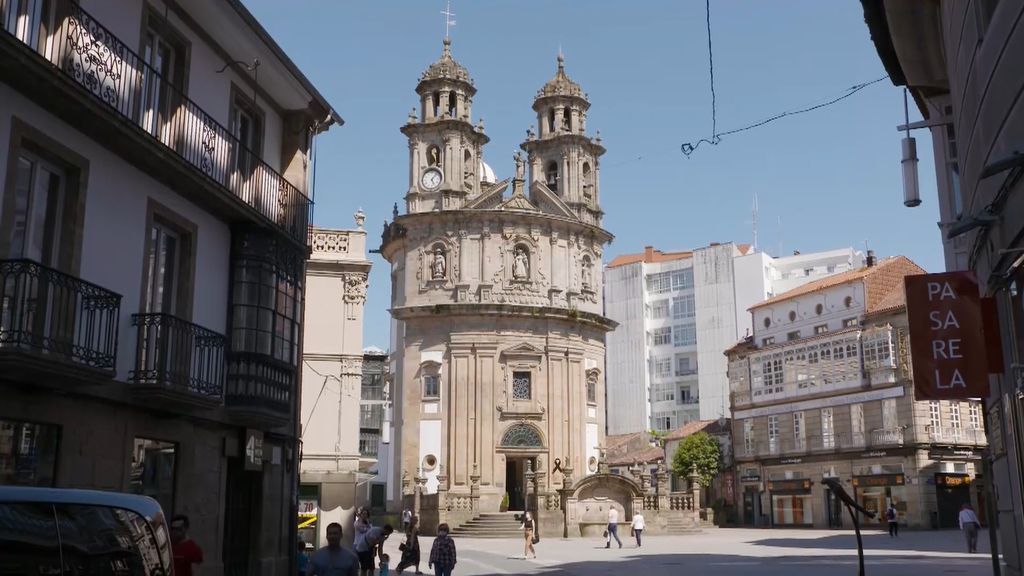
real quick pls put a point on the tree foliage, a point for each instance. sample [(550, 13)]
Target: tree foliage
[(698, 454)]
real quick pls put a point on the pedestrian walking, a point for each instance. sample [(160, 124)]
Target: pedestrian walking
[(187, 554), (442, 554), (528, 529), (410, 548), (372, 544), (406, 520), (894, 525), (361, 526), (637, 528), (969, 523), (613, 527), (333, 560)]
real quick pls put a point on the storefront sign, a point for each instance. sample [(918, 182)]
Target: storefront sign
[(253, 453), (790, 460), (946, 320), (952, 480), (875, 454), (750, 478), (789, 486), (730, 487), (954, 454), (879, 480)]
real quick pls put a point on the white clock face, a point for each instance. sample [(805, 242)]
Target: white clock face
[(431, 179)]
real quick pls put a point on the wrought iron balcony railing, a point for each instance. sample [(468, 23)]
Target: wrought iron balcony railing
[(258, 389), (887, 437), (81, 48), (178, 357), (57, 316), (962, 436)]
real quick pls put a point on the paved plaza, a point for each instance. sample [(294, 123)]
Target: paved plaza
[(727, 552)]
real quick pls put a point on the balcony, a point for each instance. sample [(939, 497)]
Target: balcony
[(177, 362), (258, 390), (887, 437), (956, 436), (79, 70), (56, 321)]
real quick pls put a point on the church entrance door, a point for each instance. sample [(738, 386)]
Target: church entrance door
[(515, 482)]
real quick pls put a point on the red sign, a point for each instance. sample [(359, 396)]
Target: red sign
[(947, 336)]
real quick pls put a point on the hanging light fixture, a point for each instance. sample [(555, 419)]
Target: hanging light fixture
[(911, 189)]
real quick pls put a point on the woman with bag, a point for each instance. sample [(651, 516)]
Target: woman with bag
[(411, 547), (528, 528)]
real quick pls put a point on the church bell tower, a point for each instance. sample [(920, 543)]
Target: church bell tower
[(445, 147)]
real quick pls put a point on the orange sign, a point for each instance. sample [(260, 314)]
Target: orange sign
[(947, 336)]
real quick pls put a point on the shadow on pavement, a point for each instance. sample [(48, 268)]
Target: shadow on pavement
[(927, 541)]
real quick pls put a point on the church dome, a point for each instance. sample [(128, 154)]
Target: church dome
[(561, 84), (446, 68), (487, 174)]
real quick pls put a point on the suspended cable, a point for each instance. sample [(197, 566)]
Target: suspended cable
[(688, 148)]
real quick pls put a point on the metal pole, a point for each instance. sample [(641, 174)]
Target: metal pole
[(860, 543)]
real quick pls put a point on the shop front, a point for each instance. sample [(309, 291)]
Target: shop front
[(877, 491), (750, 486), (952, 491), (791, 502), (309, 515)]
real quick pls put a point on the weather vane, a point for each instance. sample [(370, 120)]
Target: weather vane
[(448, 14)]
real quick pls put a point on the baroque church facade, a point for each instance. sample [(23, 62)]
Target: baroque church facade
[(498, 333)]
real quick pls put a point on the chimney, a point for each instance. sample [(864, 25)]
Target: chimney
[(648, 253), (871, 258)]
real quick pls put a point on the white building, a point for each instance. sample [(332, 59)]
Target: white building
[(154, 219), (677, 313), (332, 375)]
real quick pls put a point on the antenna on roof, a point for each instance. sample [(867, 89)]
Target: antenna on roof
[(448, 14), (753, 220)]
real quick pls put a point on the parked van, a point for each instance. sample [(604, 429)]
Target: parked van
[(57, 532)]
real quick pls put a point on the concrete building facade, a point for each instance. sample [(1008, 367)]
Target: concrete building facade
[(677, 312), (498, 338), (823, 389), (153, 237), (960, 62), (332, 376)]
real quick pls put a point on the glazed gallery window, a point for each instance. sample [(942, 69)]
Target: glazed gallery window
[(660, 309), (974, 415), (799, 430), (28, 453), (773, 434), (663, 367), (431, 386), (684, 335), (954, 419), (748, 435), (683, 307), (522, 386), (152, 471)]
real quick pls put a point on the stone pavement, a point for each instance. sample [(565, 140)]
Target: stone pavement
[(725, 552)]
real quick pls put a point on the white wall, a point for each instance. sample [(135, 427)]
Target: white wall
[(752, 273), (716, 325), (834, 312), (626, 358), (430, 443), (114, 237)]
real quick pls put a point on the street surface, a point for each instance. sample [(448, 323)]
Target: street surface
[(725, 552)]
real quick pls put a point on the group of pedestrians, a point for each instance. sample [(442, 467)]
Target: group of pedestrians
[(636, 528)]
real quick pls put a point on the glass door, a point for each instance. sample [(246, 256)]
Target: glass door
[(156, 83)]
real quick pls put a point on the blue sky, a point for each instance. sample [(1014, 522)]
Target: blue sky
[(832, 177)]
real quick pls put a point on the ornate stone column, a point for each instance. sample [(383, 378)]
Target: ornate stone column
[(695, 491), (442, 495), (474, 488)]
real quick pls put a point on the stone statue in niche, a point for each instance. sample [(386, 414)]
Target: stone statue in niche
[(520, 166), (520, 264), (438, 266), (586, 273)]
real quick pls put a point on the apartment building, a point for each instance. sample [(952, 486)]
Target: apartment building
[(960, 63), (677, 312), (823, 389), (375, 428), (153, 237)]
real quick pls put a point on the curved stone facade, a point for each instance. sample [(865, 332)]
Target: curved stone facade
[(498, 337)]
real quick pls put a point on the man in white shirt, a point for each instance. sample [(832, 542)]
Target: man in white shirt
[(969, 524), (613, 527)]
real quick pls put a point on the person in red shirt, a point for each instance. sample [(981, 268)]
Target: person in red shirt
[(187, 554)]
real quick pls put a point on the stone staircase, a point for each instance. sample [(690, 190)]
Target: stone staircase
[(491, 525), (681, 525)]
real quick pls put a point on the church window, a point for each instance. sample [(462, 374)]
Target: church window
[(592, 389), (522, 387), (551, 120), (522, 436), (452, 104), (551, 176), (433, 155), (588, 184), (567, 120), (431, 386), (437, 104)]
